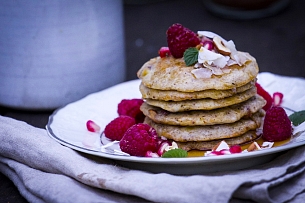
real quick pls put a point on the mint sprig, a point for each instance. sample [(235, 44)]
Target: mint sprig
[(175, 153), (297, 118), (191, 56)]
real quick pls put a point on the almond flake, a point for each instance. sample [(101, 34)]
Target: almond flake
[(222, 145), (254, 147), (210, 57), (202, 73), (267, 145)]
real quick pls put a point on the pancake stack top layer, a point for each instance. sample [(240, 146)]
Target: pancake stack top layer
[(169, 73), (197, 110)]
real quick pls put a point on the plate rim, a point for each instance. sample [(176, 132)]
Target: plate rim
[(187, 160)]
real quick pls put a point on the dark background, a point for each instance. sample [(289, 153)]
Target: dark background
[(277, 42)]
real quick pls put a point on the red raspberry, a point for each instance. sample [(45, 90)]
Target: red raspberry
[(277, 126), (131, 107), (179, 39), (139, 139), (116, 128), (265, 95)]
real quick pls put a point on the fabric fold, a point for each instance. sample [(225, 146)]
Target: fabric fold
[(282, 189), (42, 167), (14, 177), (40, 187)]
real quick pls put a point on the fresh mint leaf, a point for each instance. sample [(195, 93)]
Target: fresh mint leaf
[(175, 153), (297, 118), (191, 56)]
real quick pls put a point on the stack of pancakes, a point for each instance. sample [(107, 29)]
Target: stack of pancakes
[(199, 113)]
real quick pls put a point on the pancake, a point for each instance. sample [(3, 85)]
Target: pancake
[(208, 145), (224, 115), (207, 133), (172, 95), (169, 73), (202, 104)]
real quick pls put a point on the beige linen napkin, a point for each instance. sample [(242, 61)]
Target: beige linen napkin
[(45, 171)]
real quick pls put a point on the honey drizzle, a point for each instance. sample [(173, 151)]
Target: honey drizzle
[(199, 153)]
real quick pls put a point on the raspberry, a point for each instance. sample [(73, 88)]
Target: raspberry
[(179, 39), (131, 107), (139, 139), (277, 126), (116, 128), (265, 95)]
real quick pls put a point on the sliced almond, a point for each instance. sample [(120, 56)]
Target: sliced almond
[(253, 147), (267, 145), (220, 146), (221, 48)]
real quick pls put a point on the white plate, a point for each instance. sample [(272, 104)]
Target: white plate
[(68, 127)]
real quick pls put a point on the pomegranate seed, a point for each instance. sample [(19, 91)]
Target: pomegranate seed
[(208, 45), (221, 152), (277, 98), (164, 52), (162, 147), (225, 151), (223, 148), (92, 126), (211, 153), (151, 154), (216, 153), (235, 149)]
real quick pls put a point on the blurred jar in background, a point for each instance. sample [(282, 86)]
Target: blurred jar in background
[(54, 52)]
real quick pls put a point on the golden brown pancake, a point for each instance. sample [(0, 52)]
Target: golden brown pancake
[(202, 104), (228, 114), (169, 73), (172, 95), (207, 133)]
